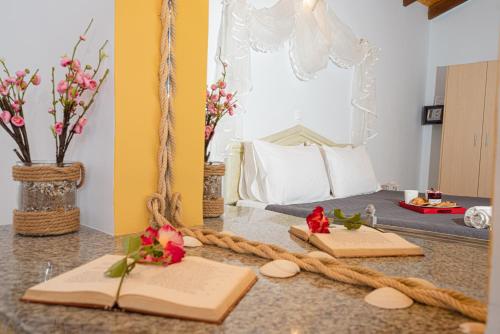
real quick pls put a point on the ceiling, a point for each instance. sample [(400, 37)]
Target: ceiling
[(436, 7)]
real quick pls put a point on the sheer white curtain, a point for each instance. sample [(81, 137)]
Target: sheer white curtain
[(314, 35)]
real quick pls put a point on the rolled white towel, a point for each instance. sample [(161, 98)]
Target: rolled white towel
[(478, 217)]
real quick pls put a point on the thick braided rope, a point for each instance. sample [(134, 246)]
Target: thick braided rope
[(49, 173), (157, 204), (46, 222), (330, 268), (339, 271)]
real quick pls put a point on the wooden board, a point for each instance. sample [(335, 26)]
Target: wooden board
[(485, 186), (462, 129)]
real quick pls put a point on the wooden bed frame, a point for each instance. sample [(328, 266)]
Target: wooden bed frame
[(297, 135)]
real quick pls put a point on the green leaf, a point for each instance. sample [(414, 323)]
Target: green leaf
[(131, 244), (118, 269), (338, 214)]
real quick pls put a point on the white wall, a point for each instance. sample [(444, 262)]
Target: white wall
[(466, 34), (36, 34), (279, 100)]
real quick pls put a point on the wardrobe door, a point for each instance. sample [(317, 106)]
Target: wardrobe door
[(485, 188), (462, 129)]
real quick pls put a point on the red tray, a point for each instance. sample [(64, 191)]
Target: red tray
[(430, 211)]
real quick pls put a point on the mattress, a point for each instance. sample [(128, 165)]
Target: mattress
[(389, 213)]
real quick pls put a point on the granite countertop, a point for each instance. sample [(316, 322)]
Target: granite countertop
[(307, 303)]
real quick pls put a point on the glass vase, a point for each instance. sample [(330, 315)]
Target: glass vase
[(47, 195)]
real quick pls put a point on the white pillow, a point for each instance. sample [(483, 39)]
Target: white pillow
[(284, 174), (350, 171)]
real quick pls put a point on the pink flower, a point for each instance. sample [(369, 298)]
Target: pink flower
[(168, 234), (17, 120), (15, 106), (3, 90), (36, 79), (222, 84), (20, 73), (77, 129), (82, 122), (62, 86), (5, 116), (213, 87), (65, 61), (229, 96), (208, 131), (83, 38), (58, 128), (10, 80), (92, 84), (222, 92), (52, 111), (230, 110), (75, 65), (215, 97), (79, 78)]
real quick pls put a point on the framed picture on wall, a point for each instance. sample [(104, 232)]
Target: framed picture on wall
[(433, 114)]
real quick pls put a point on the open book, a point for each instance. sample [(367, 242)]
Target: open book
[(364, 242), (196, 288)]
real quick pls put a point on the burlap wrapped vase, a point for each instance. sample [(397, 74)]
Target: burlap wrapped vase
[(213, 203), (47, 198)]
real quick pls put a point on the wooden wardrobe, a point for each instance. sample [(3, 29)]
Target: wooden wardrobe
[(467, 144)]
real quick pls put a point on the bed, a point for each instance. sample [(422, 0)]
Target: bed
[(390, 216)]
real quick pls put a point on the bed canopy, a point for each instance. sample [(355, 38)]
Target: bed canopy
[(314, 36)]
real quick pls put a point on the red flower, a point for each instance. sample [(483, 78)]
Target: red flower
[(317, 221), (149, 236), (174, 251)]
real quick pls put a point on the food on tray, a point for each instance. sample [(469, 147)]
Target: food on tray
[(419, 201), (447, 204)]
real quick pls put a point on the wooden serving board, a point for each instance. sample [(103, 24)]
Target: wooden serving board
[(457, 210)]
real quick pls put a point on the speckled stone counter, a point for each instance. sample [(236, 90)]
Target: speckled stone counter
[(307, 303)]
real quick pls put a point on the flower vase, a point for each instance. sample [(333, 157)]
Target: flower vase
[(47, 198), (213, 203)]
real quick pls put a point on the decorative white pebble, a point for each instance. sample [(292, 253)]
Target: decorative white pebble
[(280, 269), (388, 298), (422, 281), (191, 241), (320, 255), (228, 233), (472, 328)]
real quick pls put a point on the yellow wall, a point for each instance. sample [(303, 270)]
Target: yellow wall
[(137, 109)]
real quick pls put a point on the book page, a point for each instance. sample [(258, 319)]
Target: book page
[(364, 242), (362, 238), (89, 277), (193, 282)]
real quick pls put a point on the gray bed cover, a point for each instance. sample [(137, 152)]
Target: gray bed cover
[(390, 213)]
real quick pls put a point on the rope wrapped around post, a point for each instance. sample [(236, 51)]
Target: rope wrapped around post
[(330, 268)]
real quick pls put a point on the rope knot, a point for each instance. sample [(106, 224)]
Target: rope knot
[(156, 207)]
